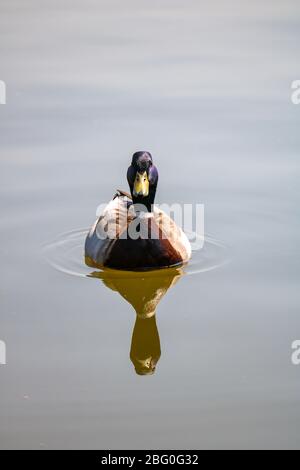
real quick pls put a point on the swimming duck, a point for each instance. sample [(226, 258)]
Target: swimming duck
[(132, 233)]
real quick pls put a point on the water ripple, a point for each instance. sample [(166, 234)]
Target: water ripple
[(66, 254)]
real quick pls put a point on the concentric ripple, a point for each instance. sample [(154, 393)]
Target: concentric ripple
[(66, 254)]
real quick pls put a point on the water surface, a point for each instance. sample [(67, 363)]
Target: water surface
[(206, 89)]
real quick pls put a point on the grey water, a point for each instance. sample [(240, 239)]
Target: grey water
[(206, 88)]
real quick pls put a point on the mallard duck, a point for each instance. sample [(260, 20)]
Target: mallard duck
[(132, 233)]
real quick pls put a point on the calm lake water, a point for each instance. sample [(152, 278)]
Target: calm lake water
[(206, 88)]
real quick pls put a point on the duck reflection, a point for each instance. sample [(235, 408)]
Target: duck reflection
[(145, 345), (143, 291)]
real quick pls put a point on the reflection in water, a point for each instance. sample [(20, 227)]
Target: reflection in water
[(144, 292), (145, 345)]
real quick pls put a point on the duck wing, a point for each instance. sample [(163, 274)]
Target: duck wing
[(108, 227)]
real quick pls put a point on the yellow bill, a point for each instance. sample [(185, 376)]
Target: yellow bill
[(141, 185)]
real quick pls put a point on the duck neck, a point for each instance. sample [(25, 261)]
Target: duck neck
[(146, 203)]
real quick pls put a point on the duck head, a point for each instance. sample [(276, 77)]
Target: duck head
[(142, 177)]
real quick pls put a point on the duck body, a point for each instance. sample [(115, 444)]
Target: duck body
[(158, 242), (134, 234)]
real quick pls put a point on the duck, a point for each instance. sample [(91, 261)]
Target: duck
[(132, 233)]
